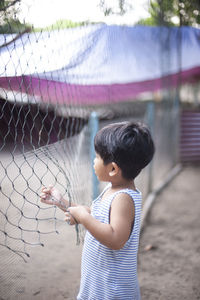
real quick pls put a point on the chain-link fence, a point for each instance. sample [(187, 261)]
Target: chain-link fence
[(45, 136)]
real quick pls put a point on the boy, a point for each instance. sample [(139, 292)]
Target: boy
[(109, 259)]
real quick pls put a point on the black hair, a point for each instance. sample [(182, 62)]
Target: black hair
[(128, 144)]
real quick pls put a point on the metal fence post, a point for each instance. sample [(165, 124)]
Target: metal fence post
[(93, 126), (150, 122)]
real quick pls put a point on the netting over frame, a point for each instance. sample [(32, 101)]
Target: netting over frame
[(31, 159), (50, 81)]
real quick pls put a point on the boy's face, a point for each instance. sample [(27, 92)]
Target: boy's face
[(101, 170)]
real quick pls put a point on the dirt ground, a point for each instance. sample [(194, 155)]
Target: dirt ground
[(171, 269), (169, 254)]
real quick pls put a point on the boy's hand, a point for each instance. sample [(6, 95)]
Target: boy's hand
[(75, 214), (51, 196)]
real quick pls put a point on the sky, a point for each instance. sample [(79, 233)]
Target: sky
[(41, 13)]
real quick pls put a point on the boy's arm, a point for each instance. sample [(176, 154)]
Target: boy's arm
[(52, 196), (115, 234)]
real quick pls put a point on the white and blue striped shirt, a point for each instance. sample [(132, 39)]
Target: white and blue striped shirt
[(108, 274)]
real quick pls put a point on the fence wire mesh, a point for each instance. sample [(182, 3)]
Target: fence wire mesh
[(44, 138)]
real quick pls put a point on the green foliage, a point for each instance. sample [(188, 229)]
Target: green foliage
[(121, 7), (162, 12), (189, 12), (148, 22), (8, 10), (14, 26), (62, 24), (9, 22)]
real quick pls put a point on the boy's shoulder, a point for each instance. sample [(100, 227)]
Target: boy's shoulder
[(126, 197)]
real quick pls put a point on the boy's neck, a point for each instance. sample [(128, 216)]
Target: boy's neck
[(123, 184)]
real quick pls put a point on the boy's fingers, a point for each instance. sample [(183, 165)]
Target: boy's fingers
[(43, 193), (46, 192), (70, 221), (47, 189), (70, 217), (42, 199)]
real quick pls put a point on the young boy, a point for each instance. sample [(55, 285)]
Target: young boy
[(109, 259)]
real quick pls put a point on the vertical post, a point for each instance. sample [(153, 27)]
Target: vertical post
[(176, 125), (94, 127), (150, 121), (176, 107)]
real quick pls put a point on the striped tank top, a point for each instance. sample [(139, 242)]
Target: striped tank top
[(108, 274)]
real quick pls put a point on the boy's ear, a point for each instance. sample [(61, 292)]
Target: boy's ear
[(114, 169)]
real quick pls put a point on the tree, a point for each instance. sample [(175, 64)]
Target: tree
[(121, 7), (9, 23), (173, 13)]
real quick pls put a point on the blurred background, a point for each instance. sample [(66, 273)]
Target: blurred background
[(67, 68)]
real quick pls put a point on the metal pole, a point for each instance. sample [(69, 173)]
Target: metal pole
[(150, 121), (94, 127)]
